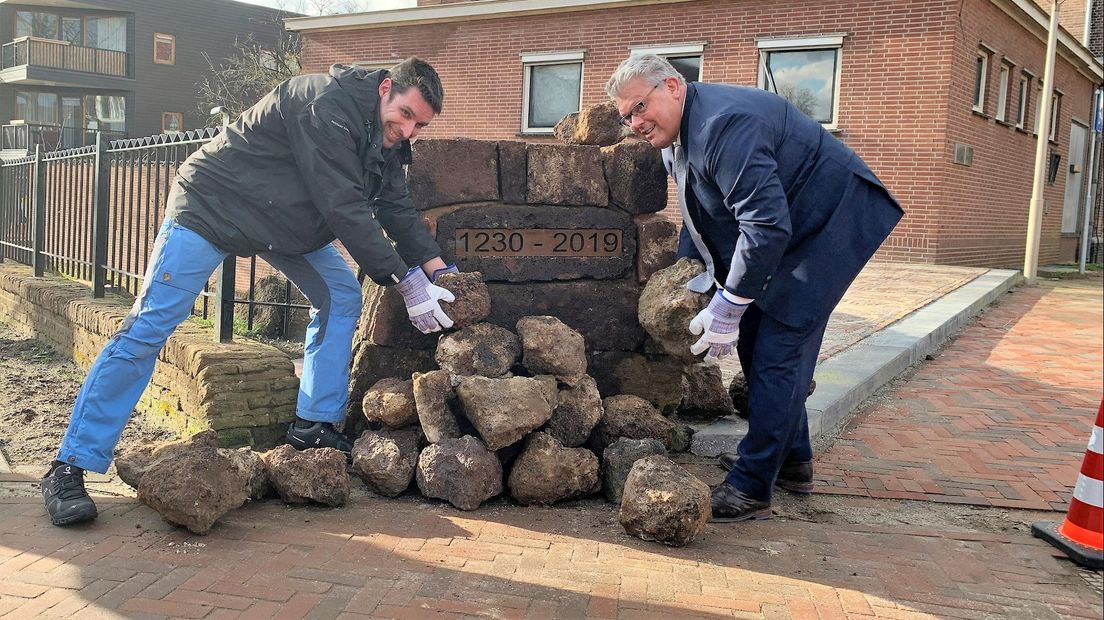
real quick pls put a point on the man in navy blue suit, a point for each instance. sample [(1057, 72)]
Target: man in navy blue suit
[(784, 216)]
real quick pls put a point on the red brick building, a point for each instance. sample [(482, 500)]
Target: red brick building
[(940, 97)]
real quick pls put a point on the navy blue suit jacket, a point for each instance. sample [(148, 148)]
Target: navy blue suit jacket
[(789, 213)]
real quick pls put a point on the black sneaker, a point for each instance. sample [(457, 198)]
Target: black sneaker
[(65, 497), (318, 435)]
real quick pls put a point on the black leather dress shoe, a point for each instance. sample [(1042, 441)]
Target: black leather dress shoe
[(729, 504), (795, 476)]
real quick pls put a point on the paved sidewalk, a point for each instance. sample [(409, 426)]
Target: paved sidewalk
[(1001, 418), (1008, 401)]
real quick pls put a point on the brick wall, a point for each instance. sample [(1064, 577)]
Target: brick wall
[(246, 390), (983, 220), (904, 97)]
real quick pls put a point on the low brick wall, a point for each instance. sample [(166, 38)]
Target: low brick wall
[(245, 391)]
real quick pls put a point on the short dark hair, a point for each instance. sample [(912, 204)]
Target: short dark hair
[(415, 72)]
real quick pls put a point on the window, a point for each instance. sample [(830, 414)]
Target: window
[(164, 49), (107, 112), (172, 122), (36, 24), (1002, 92), (685, 58), (1055, 112), (71, 30), (34, 107), (1025, 91), (805, 72), (552, 89), (106, 33), (981, 76)]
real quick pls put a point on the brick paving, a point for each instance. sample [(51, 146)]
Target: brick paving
[(1011, 393), (408, 559), (1000, 418)]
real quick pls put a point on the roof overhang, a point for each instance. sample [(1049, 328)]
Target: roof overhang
[(460, 11), (1037, 21)]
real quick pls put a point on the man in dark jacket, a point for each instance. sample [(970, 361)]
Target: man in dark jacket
[(317, 159), (784, 217)]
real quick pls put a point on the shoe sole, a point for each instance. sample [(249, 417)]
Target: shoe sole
[(759, 515), (73, 519), (801, 488)]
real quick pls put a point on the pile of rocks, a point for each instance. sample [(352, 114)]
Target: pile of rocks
[(505, 412)]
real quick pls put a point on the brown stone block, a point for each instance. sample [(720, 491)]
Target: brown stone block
[(559, 174), (636, 176), (453, 170), (657, 240), (604, 312), (495, 256), (512, 171)]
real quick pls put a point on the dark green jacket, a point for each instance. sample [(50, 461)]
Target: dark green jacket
[(303, 167)]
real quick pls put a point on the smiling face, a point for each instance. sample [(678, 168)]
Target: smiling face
[(656, 111), (402, 115)]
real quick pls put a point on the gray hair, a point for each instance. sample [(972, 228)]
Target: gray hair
[(650, 67)]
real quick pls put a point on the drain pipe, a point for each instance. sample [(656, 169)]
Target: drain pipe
[(1094, 178)]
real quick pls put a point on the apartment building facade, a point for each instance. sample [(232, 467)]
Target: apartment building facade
[(124, 67)]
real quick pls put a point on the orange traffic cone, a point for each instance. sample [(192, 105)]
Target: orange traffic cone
[(1081, 535)]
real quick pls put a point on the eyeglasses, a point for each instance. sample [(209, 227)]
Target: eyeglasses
[(639, 108)]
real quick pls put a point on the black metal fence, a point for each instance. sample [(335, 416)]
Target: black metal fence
[(92, 214)]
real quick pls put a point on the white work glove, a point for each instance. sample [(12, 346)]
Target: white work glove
[(720, 321), (423, 301)]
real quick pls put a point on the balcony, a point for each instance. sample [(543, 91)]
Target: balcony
[(53, 54), (26, 136)]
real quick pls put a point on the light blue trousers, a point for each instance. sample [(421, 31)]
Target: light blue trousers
[(181, 263)]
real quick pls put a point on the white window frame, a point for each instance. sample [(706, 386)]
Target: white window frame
[(536, 59), (981, 80), (1055, 112), (676, 50), (791, 44), (376, 65), (1025, 90), (1002, 94)]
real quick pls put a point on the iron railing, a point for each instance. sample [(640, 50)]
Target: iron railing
[(51, 137), (92, 214), (54, 54)]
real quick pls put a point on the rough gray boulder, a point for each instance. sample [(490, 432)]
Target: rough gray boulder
[(598, 125), (313, 475), (473, 298), (706, 397), (664, 503), (131, 463), (504, 410), (577, 412), (460, 471), (193, 488), (390, 402), (546, 472), (551, 347), (252, 466), (666, 307), (482, 349), (632, 417), (385, 460), (434, 397), (618, 459)]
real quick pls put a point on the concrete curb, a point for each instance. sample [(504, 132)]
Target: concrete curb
[(848, 378)]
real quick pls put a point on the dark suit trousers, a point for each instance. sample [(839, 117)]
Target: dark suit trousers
[(778, 363)]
